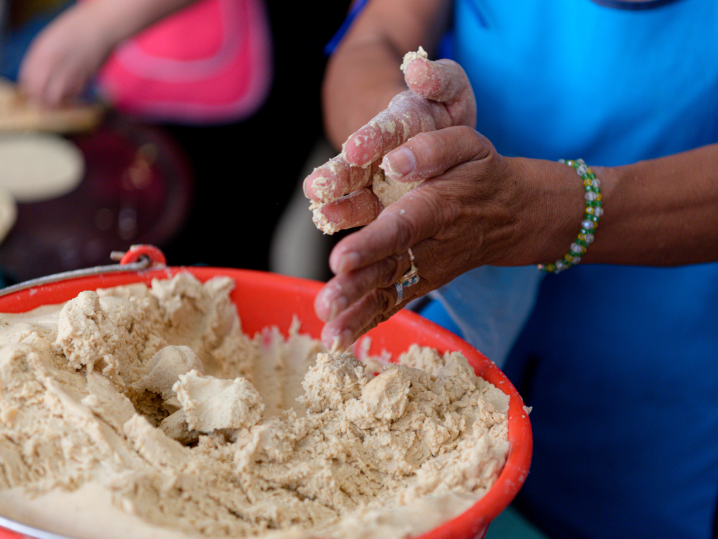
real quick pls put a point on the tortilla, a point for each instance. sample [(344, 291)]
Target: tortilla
[(39, 166), (17, 113)]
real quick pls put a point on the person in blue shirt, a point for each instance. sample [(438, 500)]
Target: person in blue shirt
[(617, 354)]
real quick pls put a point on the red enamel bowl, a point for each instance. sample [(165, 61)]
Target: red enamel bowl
[(266, 299)]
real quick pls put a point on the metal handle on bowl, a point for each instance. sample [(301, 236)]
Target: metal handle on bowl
[(17, 530), (137, 258)]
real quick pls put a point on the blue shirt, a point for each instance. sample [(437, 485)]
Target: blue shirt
[(619, 363)]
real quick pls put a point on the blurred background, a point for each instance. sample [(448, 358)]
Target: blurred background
[(193, 135)]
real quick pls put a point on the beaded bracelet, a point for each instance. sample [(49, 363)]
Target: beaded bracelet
[(589, 224)]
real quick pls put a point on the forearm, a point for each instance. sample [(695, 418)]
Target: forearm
[(661, 212), (119, 20), (360, 82), (363, 74)]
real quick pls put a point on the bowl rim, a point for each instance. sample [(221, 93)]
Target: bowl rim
[(470, 523)]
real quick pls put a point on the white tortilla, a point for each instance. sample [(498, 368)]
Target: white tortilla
[(39, 166), (8, 213), (17, 113)]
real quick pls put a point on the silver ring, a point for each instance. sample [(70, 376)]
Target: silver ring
[(411, 277), (399, 293)]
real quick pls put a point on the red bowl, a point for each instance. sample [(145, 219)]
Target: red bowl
[(266, 299)]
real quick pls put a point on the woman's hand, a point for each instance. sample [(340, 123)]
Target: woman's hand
[(63, 58), (475, 207), (468, 214), (440, 96)]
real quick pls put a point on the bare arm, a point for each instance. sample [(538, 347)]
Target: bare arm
[(660, 212), (363, 75), (124, 19), (478, 207), (67, 54)]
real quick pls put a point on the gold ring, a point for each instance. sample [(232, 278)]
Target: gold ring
[(411, 277)]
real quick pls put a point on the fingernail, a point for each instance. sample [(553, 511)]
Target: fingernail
[(347, 262), (337, 306), (399, 162), (345, 340), (335, 341)]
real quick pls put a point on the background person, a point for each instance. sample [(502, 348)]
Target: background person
[(224, 77)]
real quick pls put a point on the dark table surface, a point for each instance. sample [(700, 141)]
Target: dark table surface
[(137, 189)]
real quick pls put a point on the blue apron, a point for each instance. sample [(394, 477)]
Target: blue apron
[(620, 363)]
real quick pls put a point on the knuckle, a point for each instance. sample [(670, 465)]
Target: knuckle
[(385, 301), (371, 325), (378, 319), (383, 317), (406, 229), (357, 176), (337, 164), (392, 270), (427, 147), (487, 147), (468, 132)]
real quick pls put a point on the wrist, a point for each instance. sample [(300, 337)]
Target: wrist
[(571, 198), (557, 205), (608, 178), (552, 207), (593, 211)]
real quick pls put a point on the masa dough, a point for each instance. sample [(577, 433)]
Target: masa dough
[(149, 408), (411, 55)]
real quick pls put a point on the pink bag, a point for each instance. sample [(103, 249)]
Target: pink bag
[(208, 63)]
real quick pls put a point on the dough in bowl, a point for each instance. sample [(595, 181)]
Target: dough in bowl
[(146, 412)]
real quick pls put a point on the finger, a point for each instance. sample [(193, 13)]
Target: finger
[(418, 215), (406, 116), (361, 317), (31, 84), (335, 179), (445, 99), (430, 154), (347, 288), (353, 210), (55, 92), (443, 81), (403, 224), (75, 89)]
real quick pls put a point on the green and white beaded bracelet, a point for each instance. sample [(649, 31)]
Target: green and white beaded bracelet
[(589, 224)]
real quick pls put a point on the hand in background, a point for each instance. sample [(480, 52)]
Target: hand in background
[(64, 57)]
